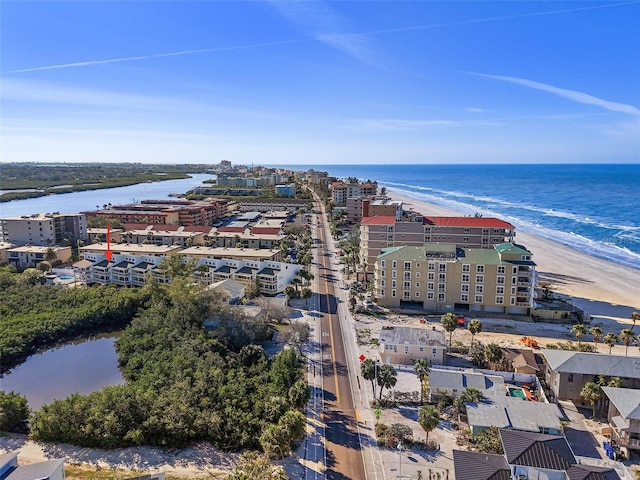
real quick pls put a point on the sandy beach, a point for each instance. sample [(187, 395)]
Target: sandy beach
[(606, 291)]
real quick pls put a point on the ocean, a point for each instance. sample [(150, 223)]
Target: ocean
[(594, 209)]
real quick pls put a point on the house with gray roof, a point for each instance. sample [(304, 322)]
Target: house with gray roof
[(455, 381), (566, 372), (405, 345), (515, 414), (528, 456), (624, 416), (230, 291), (48, 470)]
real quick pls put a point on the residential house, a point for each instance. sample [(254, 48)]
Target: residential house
[(454, 382), (624, 416), (443, 277), (521, 360), (230, 291), (529, 456), (566, 372), (10, 469), (503, 411), (405, 345)]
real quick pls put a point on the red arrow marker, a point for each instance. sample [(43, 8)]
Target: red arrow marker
[(108, 254)]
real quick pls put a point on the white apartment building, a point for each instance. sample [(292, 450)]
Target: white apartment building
[(43, 228)]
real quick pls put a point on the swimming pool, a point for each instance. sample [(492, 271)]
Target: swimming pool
[(517, 392), (66, 277)]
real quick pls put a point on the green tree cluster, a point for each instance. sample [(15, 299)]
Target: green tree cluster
[(186, 384)]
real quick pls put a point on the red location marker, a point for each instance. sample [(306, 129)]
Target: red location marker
[(362, 358), (108, 254)]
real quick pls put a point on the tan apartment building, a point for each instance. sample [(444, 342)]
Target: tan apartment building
[(253, 254), (405, 345), (43, 228), (383, 231), (340, 191), (361, 207), (443, 277), (31, 255)]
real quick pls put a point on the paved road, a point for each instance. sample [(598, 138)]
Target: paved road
[(342, 440)]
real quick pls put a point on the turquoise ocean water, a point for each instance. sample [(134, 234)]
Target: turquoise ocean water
[(594, 209)]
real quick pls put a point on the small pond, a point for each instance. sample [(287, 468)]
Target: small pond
[(83, 366)]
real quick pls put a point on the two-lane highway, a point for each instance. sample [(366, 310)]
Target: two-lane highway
[(342, 442)]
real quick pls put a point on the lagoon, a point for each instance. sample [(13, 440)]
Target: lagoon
[(83, 366), (90, 199)]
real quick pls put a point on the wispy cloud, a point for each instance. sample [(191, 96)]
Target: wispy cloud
[(325, 25), (573, 95), (474, 110)]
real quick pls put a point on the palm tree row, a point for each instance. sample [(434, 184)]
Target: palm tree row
[(627, 336)]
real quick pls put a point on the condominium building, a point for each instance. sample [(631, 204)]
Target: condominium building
[(340, 191), (31, 255), (443, 277), (166, 212), (43, 228), (383, 231)]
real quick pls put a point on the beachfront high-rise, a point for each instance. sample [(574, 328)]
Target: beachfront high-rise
[(441, 277), (378, 232)]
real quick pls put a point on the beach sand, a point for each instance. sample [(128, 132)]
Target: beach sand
[(607, 291)]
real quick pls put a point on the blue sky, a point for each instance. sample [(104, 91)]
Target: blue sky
[(320, 82)]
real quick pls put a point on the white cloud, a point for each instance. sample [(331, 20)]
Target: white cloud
[(474, 110), (316, 19), (573, 95)]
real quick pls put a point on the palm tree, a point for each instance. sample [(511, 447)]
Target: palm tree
[(469, 395), (50, 255), (610, 339), (627, 336), (597, 335), (475, 327), (387, 377), (590, 393), (306, 293), (450, 323), (493, 353), (579, 329), (368, 370), (635, 316), (421, 367), (296, 282), (428, 418)]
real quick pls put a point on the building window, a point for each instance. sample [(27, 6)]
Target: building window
[(393, 284), (442, 277), (383, 263), (434, 352), (442, 267), (479, 288), (464, 287), (464, 297), (513, 290), (429, 295), (500, 290), (432, 276), (432, 266), (417, 284), (406, 295), (418, 265), (422, 349), (502, 269), (514, 270), (407, 265), (417, 274), (466, 267), (513, 300), (407, 276), (570, 378), (382, 283), (478, 298), (393, 293), (514, 280), (525, 258), (442, 287), (479, 268), (500, 280), (394, 264), (430, 285), (479, 278), (465, 277), (394, 273), (499, 300), (406, 285), (417, 294), (441, 297)]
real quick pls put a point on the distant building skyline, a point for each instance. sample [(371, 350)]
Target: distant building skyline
[(320, 83)]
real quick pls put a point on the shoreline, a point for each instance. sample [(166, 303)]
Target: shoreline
[(603, 289)]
